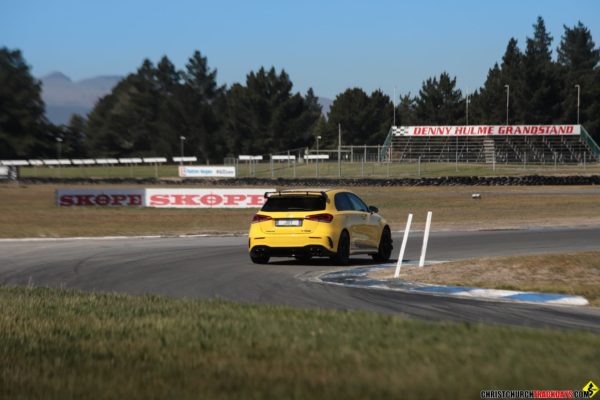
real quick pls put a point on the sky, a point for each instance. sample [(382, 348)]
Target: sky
[(329, 45)]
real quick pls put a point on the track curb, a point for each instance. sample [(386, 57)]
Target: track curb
[(359, 277)]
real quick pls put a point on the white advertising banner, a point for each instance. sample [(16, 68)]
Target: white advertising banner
[(206, 172), (206, 198), (100, 197), (487, 130)]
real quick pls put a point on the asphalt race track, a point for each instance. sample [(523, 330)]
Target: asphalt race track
[(219, 267)]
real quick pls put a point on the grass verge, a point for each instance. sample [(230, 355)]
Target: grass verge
[(30, 211), (64, 344), (570, 273)]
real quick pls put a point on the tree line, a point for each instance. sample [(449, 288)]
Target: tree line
[(149, 110)]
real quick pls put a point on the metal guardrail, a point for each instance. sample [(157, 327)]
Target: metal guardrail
[(383, 154), (590, 142)]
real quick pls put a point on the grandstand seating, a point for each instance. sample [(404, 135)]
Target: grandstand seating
[(543, 149)]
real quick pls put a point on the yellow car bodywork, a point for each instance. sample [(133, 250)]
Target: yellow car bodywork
[(317, 233)]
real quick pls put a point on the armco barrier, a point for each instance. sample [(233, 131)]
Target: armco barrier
[(531, 180), (8, 172)]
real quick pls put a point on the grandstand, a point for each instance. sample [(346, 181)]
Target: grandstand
[(530, 144)]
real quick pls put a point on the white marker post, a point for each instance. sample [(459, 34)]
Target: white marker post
[(425, 239), (404, 240)]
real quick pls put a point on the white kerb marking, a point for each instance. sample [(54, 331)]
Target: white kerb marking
[(403, 247), (425, 239)]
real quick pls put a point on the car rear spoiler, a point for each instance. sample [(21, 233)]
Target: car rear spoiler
[(297, 193)]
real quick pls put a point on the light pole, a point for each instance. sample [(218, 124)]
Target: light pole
[(58, 148), (507, 101), (394, 103), (58, 151), (467, 108), (318, 138), (181, 140), (578, 94), (339, 150)]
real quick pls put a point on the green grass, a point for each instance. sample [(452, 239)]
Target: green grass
[(119, 171), (64, 344), (326, 170)]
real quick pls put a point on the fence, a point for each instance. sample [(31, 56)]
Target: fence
[(346, 162), (369, 162)]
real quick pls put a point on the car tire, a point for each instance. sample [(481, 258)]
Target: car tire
[(342, 257), (259, 258), (385, 246)]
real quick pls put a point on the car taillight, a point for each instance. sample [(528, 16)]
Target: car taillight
[(260, 218), (320, 217)]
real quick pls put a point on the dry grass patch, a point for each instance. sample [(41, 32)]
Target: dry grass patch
[(499, 207), (30, 211), (569, 273)]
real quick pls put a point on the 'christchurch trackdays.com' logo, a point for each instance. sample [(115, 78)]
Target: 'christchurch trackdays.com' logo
[(588, 391)]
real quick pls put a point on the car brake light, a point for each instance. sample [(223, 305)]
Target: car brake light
[(260, 218), (320, 217)]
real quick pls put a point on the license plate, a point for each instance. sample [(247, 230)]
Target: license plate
[(288, 222)]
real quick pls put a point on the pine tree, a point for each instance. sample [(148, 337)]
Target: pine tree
[(489, 105), (265, 117), (512, 75), (405, 111), (23, 126), (439, 102), (148, 111), (577, 51), (364, 119), (200, 104), (124, 122), (381, 111), (578, 58), (347, 110), (541, 82), (74, 137)]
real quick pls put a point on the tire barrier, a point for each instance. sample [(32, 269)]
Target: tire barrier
[(530, 180)]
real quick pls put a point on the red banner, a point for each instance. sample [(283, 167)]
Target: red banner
[(206, 198), (487, 130)]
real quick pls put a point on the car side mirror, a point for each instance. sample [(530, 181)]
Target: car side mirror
[(373, 209)]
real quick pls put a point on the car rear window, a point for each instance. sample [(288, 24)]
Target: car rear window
[(294, 203)]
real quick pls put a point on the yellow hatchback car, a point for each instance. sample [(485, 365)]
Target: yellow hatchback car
[(318, 223)]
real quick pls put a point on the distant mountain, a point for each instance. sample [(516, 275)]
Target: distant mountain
[(325, 104), (63, 97)]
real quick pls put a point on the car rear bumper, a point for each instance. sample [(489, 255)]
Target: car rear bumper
[(292, 241), (313, 250)]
